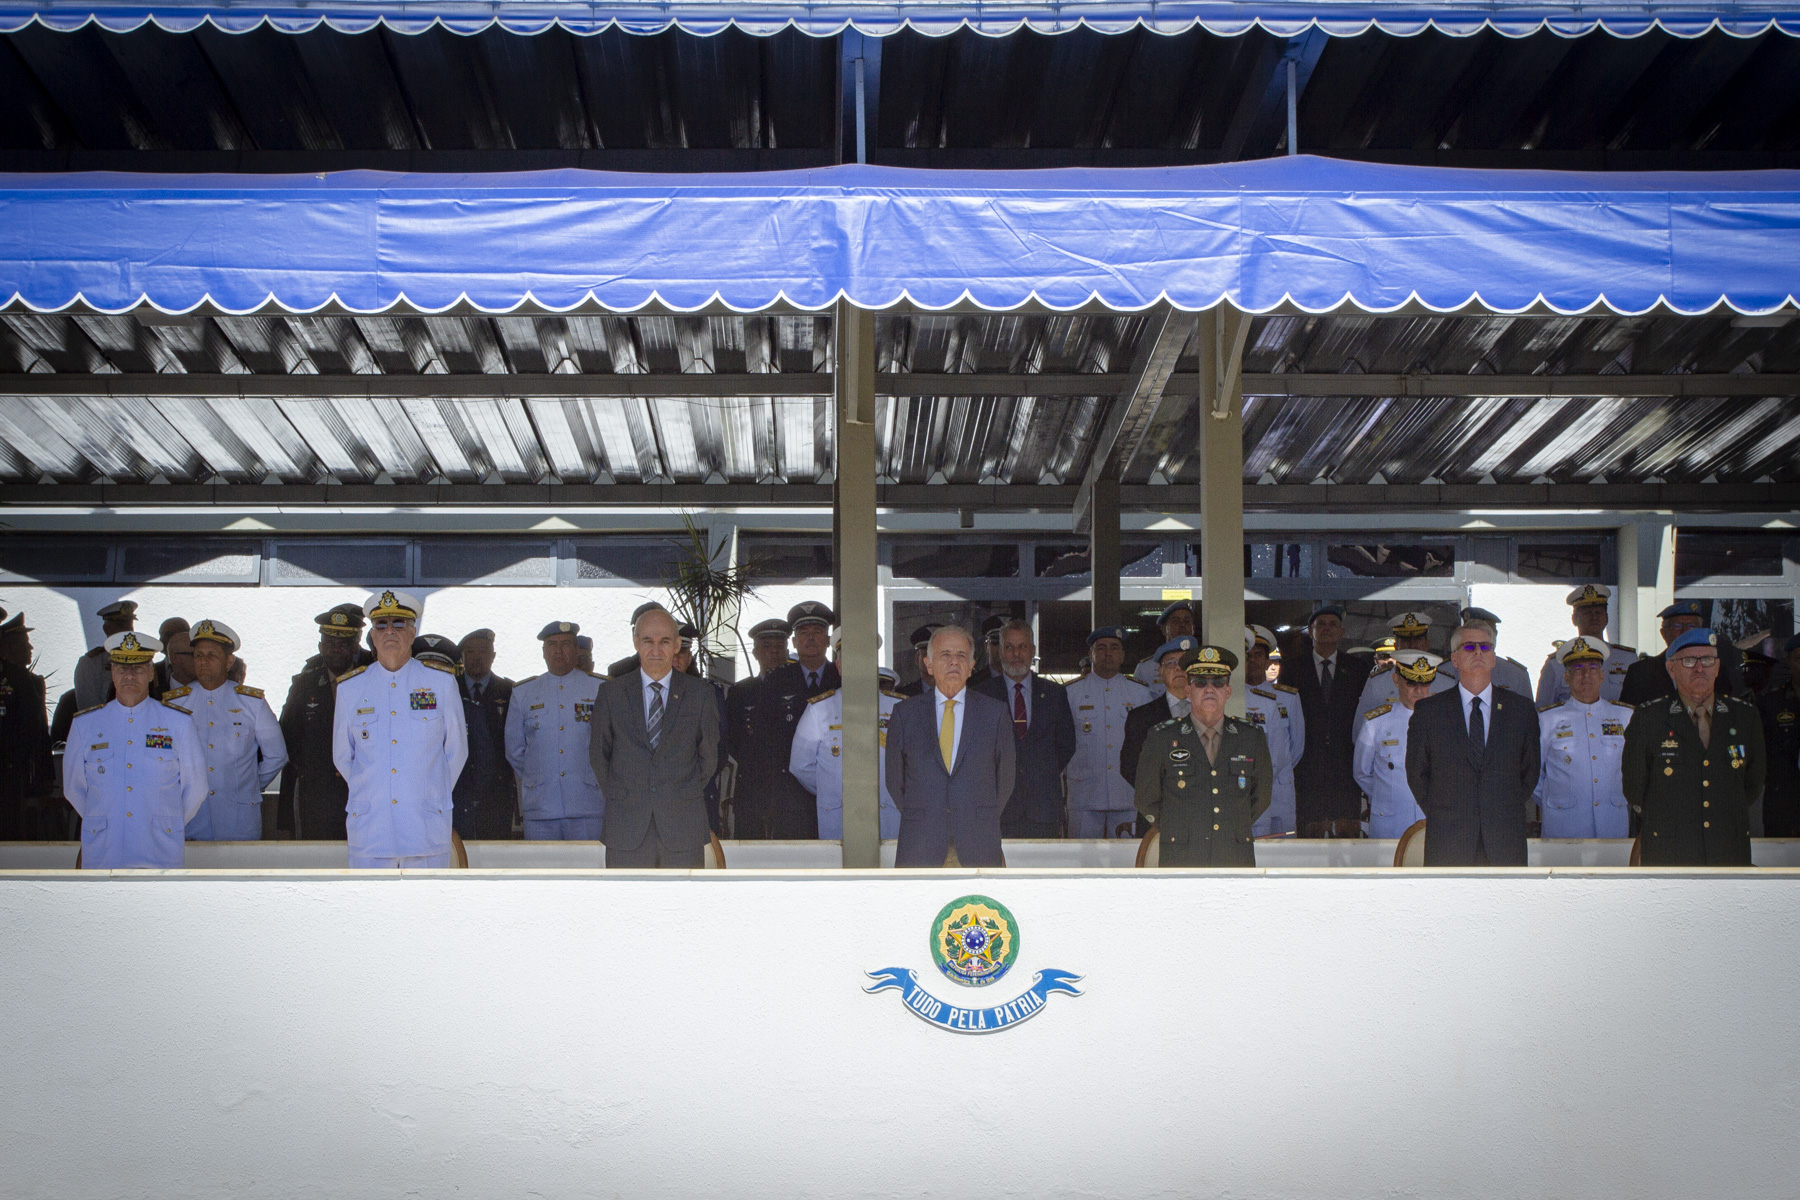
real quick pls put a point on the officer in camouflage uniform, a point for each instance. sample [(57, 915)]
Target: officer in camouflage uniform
[(1694, 764), (1205, 779)]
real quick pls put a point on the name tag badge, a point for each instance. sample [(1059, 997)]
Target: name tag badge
[(1564, 733), (99, 745), (363, 712), (536, 706), (1083, 707), (1390, 741)]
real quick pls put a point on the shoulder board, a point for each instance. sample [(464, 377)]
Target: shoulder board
[(1547, 707), (175, 694), (352, 673), (84, 712), (253, 693), (96, 650), (1626, 649), (1383, 669), (436, 666), (526, 680), (592, 675), (822, 696), (1263, 694), (1289, 688), (1382, 711), (892, 695), (1170, 721), (1626, 707), (177, 708)]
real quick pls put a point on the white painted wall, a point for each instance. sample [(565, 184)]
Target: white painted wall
[(1509, 1035), (1533, 618)]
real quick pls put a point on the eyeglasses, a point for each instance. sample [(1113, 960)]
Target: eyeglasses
[(1209, 681), (1698, 664), (1472, 647), (396, 624)]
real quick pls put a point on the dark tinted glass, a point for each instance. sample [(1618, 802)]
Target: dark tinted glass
[(1705, 553), (1137, 560), (1559, 560), (772, 558), (183, 559), (368, 563), (955, 560), (500, 562), (54, 559), (1379, 561), (638, 562), (1278, 560)]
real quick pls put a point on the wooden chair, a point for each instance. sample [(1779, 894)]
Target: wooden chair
[(459, 853), (1150, 849), (1637, 850), (1410, 852), (714, 859)]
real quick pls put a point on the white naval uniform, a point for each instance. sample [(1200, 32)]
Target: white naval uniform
[(816, 760), (135, 775), (1380, 771), (1275, 709), (1099, 798), (1382, 689), (1581, 786), (1553, 685), (399, 740), (547, 727), (234, 723), (1149, 674)]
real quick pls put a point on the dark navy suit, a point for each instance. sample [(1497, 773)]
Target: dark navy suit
[(939, 807), (1036, 807), (1473, 797)]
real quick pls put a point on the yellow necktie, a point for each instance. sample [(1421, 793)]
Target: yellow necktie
[(947, 734)]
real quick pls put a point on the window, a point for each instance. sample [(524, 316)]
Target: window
[(190, 561), (1555, 562), (775, 559), (1278, 560), (55, 560), (370, 564), (641, 562), (954, 560), (467, 560), (1435, 560), (1137, 560), (1702, 554)]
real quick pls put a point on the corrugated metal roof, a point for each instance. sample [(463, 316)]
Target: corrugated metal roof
[(348, 436)]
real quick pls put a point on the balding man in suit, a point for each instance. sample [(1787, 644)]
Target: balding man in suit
[(655, 746), (950, 764)]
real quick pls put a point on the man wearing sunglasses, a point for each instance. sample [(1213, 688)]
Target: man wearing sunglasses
[(1472, 761), (1204, 779), (1694, 764), (399, 739)]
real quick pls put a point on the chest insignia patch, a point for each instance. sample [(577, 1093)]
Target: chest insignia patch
[(424, 700), (1671, 744), (1258, 719), (834, 750), (584, 711), (1612, 729), (158, 739), (1180, 755)]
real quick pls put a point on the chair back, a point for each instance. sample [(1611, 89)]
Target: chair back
[(1410, 852), (714, 859), (459, 853), (1150, 849)]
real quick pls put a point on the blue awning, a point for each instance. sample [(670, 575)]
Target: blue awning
[(1312, 233), (1625, 18)]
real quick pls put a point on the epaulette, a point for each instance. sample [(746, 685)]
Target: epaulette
[(1383, 669), (436, 666), (1626, 649), (1547, 707), (892, 695), (253, 693), (1263, 694), (1289, 688), (1382, 711), (352, 673), (96, 650), (1620, 704), (175, 694), (823, 696), (593, 675), (84, 712), (526, 680), (184, 712)]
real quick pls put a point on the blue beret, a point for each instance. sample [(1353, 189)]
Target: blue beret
[(1681, 608), (1336, 610), (1175, 608), (1180, 645), (1693, 637), (1106, 631), (1791, 645), (555, 627)]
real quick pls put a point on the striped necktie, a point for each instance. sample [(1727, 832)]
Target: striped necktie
[(653, 724)]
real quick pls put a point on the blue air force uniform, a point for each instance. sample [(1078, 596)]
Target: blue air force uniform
[(1581, 790), (135, 775), (234, 724), (399, 740), (547, 731), (1099, 798)]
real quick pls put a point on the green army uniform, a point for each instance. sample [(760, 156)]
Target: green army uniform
[(1204, 810), (1693, 801)]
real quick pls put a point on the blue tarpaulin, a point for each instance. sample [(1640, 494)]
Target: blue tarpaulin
[(1309, 232), (1625, 18)]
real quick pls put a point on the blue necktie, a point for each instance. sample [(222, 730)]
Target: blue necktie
[(654, 722)]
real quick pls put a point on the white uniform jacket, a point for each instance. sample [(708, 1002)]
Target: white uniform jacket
[(817, 761), (135, 775), (1275, 709), (1553, 688), (547, 728), (1100, 707), (1581, 786), (244, 750), (1383, 689), (399, 740), (1380, 770)]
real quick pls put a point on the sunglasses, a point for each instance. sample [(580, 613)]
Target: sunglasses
[(395, 624), (1472, 647), (1209, 681)]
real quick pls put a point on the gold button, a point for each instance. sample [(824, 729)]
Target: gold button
[(1215, 808), (1668, 770), (128, 787), (1706, 824), (1706, 804), (1706, 762), (1215, 828), (1706, 783), (128, 814), (393, 770), (393, 802), (1181, 783), (1215, 791)]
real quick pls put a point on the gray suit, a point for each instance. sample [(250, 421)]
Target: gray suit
[(655, 800), (939, 808)]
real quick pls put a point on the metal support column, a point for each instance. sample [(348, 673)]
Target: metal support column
[(1221, 343), (1646, 549), (1103, 554), (853, 533)]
